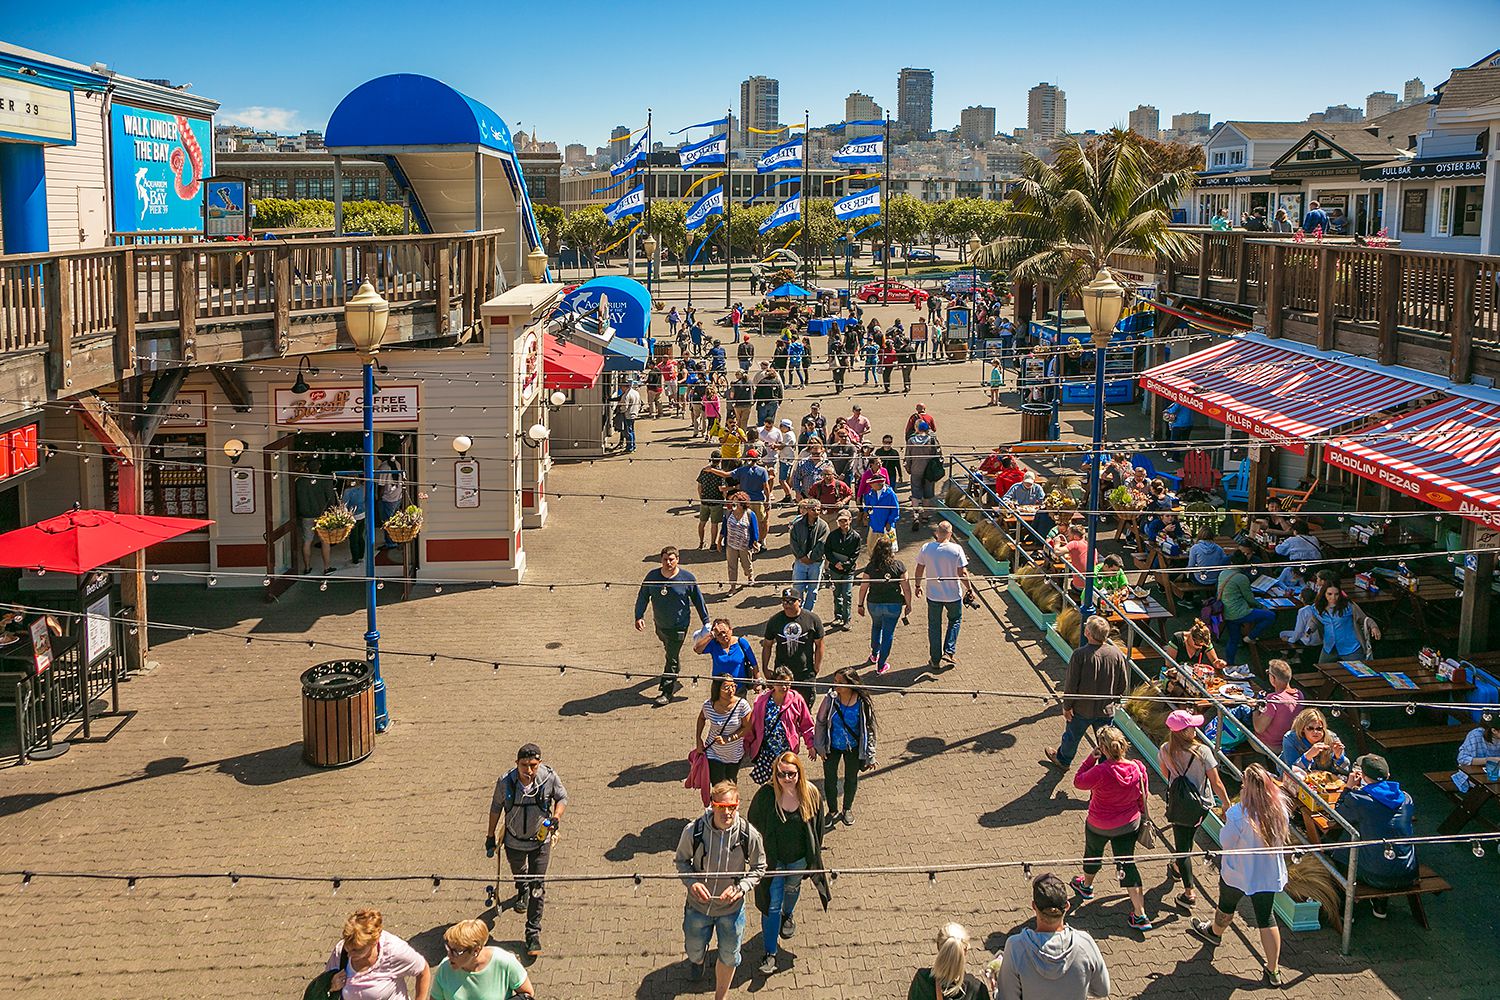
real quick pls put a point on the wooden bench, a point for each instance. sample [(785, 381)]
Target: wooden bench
[(1443, 781), (1416, 736), (1429, 883)]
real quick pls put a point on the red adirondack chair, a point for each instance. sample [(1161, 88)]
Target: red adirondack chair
[(1198, 471)]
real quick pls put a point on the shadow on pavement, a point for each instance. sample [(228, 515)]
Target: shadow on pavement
[(635, 774), (607, 701), (259, 767), (659, 838)]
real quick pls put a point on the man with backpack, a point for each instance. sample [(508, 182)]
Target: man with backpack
[(531, 799), (721, 858)]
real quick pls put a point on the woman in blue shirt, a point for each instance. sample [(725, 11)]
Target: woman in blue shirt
[(1310, 746), (731, 656), (844, 733), (1346, 630)]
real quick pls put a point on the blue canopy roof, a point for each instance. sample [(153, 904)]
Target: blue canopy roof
[(629, 304), (404, 109), (789, 291), (622, 355)]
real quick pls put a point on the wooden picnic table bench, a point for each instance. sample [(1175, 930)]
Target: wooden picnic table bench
[(1429, 883)]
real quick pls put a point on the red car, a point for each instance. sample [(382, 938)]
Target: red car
[(896, 292)]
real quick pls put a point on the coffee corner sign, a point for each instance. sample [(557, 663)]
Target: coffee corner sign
[(393, 404)]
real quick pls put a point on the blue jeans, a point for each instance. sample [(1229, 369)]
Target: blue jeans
[(629, 434), (872, 373), (883, 619), (1259, 619), (1073, 735), (697, 928), (939, 642), (784, 892), (806, 577)]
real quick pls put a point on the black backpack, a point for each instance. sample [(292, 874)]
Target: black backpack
[(1187, 803)]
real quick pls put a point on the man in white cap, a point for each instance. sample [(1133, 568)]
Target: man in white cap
[(1026, 493)]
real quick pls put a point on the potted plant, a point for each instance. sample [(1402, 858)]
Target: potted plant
[(404, 524), (334, 524), (1123, 498)]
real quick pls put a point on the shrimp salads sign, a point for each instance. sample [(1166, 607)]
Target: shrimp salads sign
[(393, 404), (157, 165)]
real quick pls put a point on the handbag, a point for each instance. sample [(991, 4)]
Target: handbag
[(321, 988), (1147, 836), (933, 471)]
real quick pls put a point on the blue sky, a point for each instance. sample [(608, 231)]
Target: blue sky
[(571, 71)]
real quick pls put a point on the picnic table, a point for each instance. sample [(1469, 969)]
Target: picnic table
[(1428, 686), (1468, 804), (1140, 613)]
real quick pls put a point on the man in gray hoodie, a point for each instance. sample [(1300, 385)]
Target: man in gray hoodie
[(1053, 962), (720, 857)]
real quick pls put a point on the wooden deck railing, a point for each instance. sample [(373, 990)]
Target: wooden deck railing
[(88, 310), (1433, 311)]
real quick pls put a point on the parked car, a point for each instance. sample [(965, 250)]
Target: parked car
[(917, 253), (877, 291)]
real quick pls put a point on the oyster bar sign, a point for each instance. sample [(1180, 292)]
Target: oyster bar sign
[(393, 404)]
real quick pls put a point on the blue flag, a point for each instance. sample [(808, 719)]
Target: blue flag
[(783, 157), (716, 123), (714, 149), (870, 149), (866, 202), (633, 203), (710, 204), (788, 211), (636, 155), (614, 184)]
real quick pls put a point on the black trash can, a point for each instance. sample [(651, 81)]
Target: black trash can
[(1036, 421), (338, 713)]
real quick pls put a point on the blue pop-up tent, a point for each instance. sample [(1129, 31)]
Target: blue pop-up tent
[(789, 291)]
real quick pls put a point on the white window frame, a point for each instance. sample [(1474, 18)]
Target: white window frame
[(1237, 156), (1444, 210)]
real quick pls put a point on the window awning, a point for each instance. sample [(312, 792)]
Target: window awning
[(569, 366), (1447, 454), (1278, 394), (622, 355)]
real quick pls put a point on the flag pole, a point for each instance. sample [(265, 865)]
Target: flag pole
[(646, 218), (728, 204), (885, 219), (802, 195)]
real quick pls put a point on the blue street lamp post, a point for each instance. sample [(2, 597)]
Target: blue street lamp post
[(1103, 301), (849, 250), (365, 316)]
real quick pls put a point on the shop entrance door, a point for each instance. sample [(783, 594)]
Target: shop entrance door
[(281, 516)]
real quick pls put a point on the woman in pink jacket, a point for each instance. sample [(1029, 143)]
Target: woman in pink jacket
[(779, 722), (1117, 793)]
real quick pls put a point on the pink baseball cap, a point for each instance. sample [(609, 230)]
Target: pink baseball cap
[(1183, 719)]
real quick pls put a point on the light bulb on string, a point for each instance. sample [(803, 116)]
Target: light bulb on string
[(1390, 852), (1478, 848), (336, 883)]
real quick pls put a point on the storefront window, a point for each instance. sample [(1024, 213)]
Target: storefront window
[(176, 478), (1468, 206), (1414, 210)]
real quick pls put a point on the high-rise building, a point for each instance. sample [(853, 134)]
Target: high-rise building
[(760, 107), (861, 108), (1382, 102), (1192, 121), (1415, 90), (1046, 112), (1341, 114), (1146, 121), (914, 101), (619, 141), (976, 125), (576, 154)]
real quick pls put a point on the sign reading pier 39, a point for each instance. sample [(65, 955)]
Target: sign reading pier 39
[(157, 165)]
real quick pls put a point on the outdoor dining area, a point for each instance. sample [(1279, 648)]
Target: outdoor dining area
[(1360, 600)]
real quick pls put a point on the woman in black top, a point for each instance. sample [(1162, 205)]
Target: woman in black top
[(788, 813), (946, 979), (886, 591)]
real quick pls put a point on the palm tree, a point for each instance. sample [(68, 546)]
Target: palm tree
[(1069, 216)]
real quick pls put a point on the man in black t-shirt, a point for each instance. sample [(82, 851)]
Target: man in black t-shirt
[(797, 638)]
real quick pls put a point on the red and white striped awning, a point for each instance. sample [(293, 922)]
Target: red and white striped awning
[(1278, 394), (1446, 454)]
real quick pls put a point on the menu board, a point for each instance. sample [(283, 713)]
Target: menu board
[(41, 645)]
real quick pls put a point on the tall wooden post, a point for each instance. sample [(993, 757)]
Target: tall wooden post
[(1474, 612)]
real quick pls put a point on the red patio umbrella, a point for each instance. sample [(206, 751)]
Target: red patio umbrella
[(81, 540)]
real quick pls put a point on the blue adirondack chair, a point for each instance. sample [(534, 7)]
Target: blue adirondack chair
[(1236, 485)]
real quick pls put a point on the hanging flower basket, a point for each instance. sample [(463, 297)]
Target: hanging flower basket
[(334, 525), (404, 524)]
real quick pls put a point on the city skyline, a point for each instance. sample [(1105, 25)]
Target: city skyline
[(584, 103)]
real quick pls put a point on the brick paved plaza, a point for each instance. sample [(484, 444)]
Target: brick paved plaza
[(207, 777)]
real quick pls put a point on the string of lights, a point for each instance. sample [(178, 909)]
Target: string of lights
[(647, 675), (1025, 866)]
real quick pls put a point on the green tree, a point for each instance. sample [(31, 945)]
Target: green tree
[(667, 221), (550, 220), (908, 218), (1069, 216), (588, 231), (744, 236), (1166, 157)]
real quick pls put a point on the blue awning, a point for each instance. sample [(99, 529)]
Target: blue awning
[(622, 355)]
